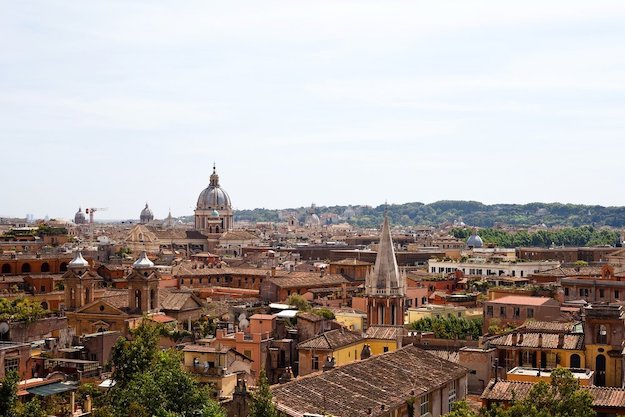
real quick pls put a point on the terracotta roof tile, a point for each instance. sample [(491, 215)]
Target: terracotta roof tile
[(536, 340), (354, 389), (331, 340), (384, 332), (605, 397)]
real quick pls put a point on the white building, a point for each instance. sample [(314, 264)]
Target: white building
[(488, 268)]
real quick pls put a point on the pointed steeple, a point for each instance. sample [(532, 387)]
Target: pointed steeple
[(385, 279)]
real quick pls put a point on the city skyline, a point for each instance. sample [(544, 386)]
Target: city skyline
[(112, 105)]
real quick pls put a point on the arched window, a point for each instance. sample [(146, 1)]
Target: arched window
[(6, 269), (424, 300), (575, 361), (138, 299), (153, 300), (45, 267), (26, 267)]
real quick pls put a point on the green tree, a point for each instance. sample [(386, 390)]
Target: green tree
[(150, 382), (562, 397), (298, 301), (8, 394), (21, 309), (324, 312), (262, 401), (32, 408)]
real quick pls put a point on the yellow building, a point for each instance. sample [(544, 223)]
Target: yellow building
[(340, 347), (351, 319), (217, 367), (435, 310), (593, 344)]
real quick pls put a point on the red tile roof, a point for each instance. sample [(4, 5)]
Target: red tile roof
[(604, 397), (371, 387)]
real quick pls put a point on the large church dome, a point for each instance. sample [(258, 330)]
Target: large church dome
[(79, 217), (213, 197)]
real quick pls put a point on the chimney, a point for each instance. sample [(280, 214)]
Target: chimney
[(515, 337), (520, 340), (540, 340), (366, 352), (330, 363), (561, 340), (273, 271)]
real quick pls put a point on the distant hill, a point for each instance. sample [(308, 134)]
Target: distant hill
[(472, 213)]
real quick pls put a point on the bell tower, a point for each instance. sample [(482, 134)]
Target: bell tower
[(385, 286), (80, 283), (143, 286)]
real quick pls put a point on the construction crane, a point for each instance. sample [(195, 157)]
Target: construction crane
[(91, 211)]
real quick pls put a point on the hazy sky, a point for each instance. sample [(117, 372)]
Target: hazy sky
[(115, 103)]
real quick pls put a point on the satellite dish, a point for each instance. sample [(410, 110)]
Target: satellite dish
[(4, 327)]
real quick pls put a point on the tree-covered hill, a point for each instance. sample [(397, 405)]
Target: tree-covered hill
[(472, 213)]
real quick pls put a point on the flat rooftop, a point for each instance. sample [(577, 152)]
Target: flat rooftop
[(577, 373)]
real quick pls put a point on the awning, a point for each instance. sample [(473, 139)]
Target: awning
[(51, 389)]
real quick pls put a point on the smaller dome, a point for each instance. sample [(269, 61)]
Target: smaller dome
[(313, 220), (214, 213), (474, 241), (143, 262), (146, 214), (78, 261)]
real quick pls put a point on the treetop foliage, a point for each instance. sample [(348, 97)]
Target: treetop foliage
[(449, 327), (21, 309), (579, 236), (470, 212), (262, 401), (562, 397), (152, 382)]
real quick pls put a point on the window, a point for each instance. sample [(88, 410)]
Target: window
[(566, 292), (583, 292), (248, 353), (530, 313), (12, 364), (516, 312), (489, 311), (601, 293), (502, 312), (424, 404), (385, 349), (452, 393), (616, 294), (315, 363), (602, 335)]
